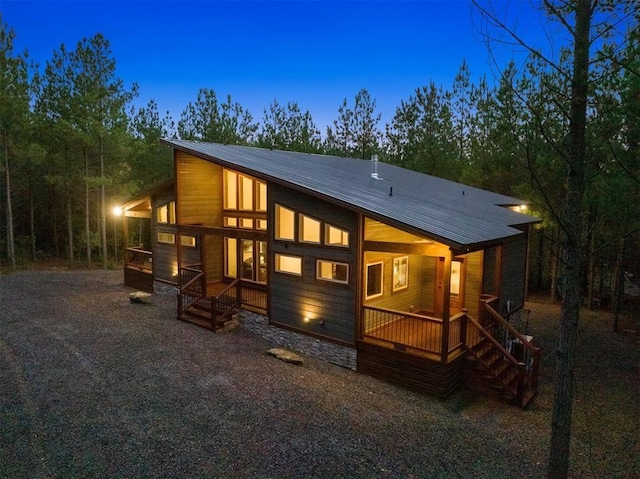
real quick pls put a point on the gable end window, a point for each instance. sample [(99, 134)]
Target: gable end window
[(285, 224), (166, 214), (334, 236)]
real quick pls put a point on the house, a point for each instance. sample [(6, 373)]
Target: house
[(416, 274)]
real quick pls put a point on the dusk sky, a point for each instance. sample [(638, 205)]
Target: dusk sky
[(316, 53)]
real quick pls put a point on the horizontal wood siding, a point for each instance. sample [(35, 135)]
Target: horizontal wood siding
[(513, 272), (404, 299), (215, 257), (473, 284), (137, 279), (165, 256), (199, 188), (429, 274), (292, 298), (408, 371)]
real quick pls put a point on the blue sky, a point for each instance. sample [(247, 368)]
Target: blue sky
[(314, 52)]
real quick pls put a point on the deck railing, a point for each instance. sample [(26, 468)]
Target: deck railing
[(192, 287), (457, 331), (403, 330), (136, 257), (226, 302), (253, 294)]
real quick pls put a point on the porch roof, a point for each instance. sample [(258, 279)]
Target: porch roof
[(457, 215)]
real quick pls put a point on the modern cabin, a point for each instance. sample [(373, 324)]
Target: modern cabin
[(417, 274)]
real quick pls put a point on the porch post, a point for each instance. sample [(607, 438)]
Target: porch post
[(446, 304)]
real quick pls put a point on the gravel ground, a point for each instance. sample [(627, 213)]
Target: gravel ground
[(94, 386)]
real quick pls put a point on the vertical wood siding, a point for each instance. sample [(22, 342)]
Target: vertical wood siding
[(199, 187), (293, 297)]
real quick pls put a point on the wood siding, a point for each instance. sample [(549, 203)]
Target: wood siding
[(473, 284), (489, 279), (137, 279), (417, 373), (199, 189), (513, 272), (409, 299), (165, 256), (292, 298)]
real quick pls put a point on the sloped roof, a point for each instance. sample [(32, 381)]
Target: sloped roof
[(458, 215)]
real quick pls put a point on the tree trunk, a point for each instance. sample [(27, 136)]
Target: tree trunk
[(591, 267), (32, 225), (618, 283), (11, 251), (103, 206), (87, 224), (572, 223), (70, 230), (554, 248)]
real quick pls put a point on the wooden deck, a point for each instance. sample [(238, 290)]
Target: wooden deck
[(410, 332), (254, 298)]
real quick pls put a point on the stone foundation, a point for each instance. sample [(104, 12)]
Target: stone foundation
[(324, 350)]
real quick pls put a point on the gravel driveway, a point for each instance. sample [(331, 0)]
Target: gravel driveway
[(94, 386)]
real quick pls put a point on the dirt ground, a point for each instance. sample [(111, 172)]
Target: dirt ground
[(94, 386)]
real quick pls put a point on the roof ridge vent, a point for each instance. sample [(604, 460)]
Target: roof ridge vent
[(374, 167)]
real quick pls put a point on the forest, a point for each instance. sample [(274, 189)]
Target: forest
[(73, 145)]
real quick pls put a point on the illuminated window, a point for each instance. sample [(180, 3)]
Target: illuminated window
[(261, 200), (335, 236), (456, 268), (285, 224), (231, 257), (246, 223), (330, 271), (374, 280), (167, 238), (246, 193), (166, 214), (289, 264), (229, 221), (309, 230), (186, 240), (261, 224), (230, 190)]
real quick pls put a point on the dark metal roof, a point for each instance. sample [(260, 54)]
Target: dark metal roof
[(458, 215)]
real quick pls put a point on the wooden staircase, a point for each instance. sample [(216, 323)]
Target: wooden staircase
[(501, 362), (216, 313)]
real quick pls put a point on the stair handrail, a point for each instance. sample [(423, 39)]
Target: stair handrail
[(233, 284), (498, 317), (494, 341), (215, 302)]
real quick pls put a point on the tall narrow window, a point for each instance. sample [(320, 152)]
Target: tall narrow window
[(309, 230), (246, 193), (261, 253), (456, 270), (261, 199), (374, 280), (247, 259), (335, 236), (166, 214), (230, 190), (231, 257), (285, 224)]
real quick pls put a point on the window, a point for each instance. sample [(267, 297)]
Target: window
[(456, 269), (289, 264), (261, 224), (167, 238), (166, 214), (285, 221), (230, 190), (309, 230), (261, 199), (330, 271), (186, 240), (229, 221), (335, 236), (246, 223), (231, 257), (400, 273), (246, 193), (374, 280)]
